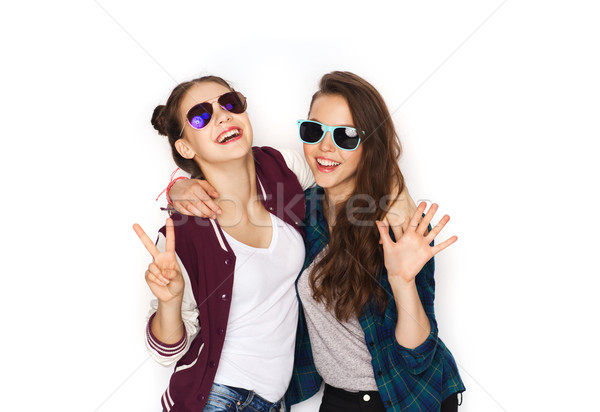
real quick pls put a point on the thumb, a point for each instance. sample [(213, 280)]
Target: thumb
[(384, 233)]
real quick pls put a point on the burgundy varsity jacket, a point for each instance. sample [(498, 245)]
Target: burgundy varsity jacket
[(210, 263)]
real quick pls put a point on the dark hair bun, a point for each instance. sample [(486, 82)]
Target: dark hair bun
[(158, 119)]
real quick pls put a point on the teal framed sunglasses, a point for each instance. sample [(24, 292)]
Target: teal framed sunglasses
[(345, 138)]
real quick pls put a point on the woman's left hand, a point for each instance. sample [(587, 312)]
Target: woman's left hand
[(405, 258)]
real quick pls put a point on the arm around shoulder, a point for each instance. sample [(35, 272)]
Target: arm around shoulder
[(296, 162)]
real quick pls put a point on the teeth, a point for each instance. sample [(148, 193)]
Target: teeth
[(324, 162), (229, 135)]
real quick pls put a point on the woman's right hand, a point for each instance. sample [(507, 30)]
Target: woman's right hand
[(164, 274), (192, 197)]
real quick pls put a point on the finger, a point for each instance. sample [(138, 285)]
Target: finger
[(201, 210), (437, 228), (181, 208), (198, 209), (396, 229), (427, 219), (170, 274), (438, 248), (380, 238), (209, 189), (151, 278), (157, 272), (170, 236), (384, 234), (192, 210), (414, 221), (148, 243), (204, 197)]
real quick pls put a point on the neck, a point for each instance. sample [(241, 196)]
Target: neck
[(235, 181), (332, 199)]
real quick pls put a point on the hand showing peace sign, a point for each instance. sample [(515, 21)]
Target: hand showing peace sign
[(405, 258), (164, 274)]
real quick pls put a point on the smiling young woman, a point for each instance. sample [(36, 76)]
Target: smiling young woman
[(231, 277), (368, 325)]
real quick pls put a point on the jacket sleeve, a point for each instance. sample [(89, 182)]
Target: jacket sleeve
[(296, 162), (167, 354), (419, 359)]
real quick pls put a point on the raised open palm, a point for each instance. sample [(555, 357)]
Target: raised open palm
[(164, 274), (405, 258)]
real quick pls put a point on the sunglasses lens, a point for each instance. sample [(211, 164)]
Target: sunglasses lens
[(233, 102), (199, 115), (346, 138), (310, 132)]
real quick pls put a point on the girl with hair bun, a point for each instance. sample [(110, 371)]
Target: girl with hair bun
[(226, 310)]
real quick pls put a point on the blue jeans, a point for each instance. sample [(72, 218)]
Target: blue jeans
[(227, 399)]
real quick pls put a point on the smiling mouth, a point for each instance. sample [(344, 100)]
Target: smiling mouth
[(327, 163), (229, 136)]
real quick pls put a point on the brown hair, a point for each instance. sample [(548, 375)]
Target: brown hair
[(167, 120), (347, 277)]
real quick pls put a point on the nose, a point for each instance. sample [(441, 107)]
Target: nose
[(326, 145), (221, 115)]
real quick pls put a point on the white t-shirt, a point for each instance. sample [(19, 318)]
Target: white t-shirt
[(258, 353)]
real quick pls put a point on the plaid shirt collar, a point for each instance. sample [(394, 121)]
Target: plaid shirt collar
[(316, 229)]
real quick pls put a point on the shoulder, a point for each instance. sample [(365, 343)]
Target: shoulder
[(266, 153), (272, 168)]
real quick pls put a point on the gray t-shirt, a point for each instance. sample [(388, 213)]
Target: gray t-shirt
[(339, 349)]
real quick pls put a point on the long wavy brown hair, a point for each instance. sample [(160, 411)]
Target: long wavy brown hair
[(347, 277)]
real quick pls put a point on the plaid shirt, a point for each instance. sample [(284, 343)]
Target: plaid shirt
[(408, 379)]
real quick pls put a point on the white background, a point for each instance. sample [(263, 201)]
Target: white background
[(496, 103)]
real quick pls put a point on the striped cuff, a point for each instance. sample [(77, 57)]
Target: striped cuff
[(164, 349)]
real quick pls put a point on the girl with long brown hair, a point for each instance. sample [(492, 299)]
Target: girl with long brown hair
[(367, 309)]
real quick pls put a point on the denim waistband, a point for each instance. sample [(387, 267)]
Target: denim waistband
[(248, 399)]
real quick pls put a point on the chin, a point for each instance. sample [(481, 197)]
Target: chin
[(324, 183)]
